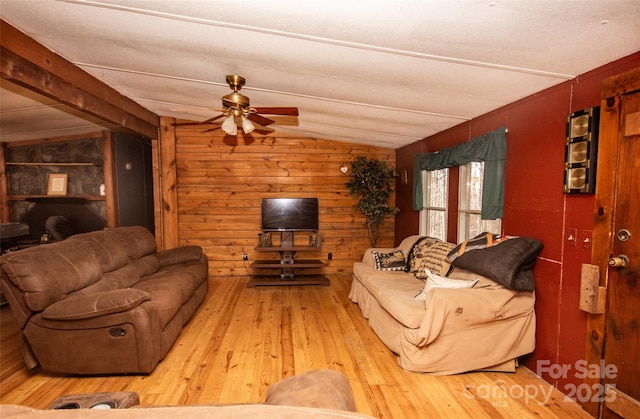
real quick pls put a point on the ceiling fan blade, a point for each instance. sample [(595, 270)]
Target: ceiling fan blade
[(207, 121), (263, 131), (210, 120), (212, 129), (259, 119), (185, 124), (278, 111)]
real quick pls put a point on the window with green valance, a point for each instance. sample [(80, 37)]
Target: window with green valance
[(490, 148)]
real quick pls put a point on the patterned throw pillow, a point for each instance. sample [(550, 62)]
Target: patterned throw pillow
[(393, 261), (430, 254), (418, 248)]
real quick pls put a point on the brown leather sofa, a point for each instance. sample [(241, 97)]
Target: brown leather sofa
[(102, 302)]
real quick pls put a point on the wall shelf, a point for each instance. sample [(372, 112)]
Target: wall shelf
[(275, 280), (287, 248), (48, 164), (296, 263), (87, 160), (30, 197)]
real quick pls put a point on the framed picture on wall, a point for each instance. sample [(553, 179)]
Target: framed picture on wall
[(57, 185)]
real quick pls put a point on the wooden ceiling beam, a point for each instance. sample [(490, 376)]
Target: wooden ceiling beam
[(26, 62)]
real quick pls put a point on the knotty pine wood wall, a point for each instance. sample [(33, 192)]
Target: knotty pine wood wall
[(221, 181)]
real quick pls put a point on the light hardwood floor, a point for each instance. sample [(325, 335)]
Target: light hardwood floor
[(243, 339)]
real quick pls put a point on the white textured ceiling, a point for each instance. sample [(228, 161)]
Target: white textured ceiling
[(380, 73)]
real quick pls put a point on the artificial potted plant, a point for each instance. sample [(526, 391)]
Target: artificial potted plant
[(372, 180)]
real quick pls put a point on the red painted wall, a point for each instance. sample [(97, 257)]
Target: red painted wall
[(535, 205)]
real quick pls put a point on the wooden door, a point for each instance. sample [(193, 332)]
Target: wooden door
[(615, 335)]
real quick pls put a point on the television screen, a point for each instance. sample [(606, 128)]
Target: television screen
[(282, 214)]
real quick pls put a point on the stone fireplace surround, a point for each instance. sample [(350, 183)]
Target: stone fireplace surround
[(28, 169)]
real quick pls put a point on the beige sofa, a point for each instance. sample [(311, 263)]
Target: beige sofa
[(452, 330), (313, 394), (248, 411), (103, 302)]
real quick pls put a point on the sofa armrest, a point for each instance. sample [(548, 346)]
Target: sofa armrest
[(179, 255), (406, 245), (324, 388), (96, 305), (450, 310), (368, 258)]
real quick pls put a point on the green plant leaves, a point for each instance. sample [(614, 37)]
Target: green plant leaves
[(372, 181)]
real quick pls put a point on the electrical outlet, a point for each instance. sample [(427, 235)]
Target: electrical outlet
[(330, 256), (245, 256), (572, 237), (587, 238)]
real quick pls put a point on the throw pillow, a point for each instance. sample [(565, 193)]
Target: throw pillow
[(430, 254), (416, 250), (393, 261), (437, 281)]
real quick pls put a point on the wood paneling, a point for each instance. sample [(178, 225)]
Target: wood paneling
[(221, 180), (166, 202)]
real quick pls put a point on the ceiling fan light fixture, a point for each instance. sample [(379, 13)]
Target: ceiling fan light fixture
[(247, 126), (237, 112), (229, 125)]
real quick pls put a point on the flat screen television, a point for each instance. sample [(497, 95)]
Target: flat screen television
[(289, 214)]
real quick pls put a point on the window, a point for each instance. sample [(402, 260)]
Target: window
[(433, 217), (470, 203)]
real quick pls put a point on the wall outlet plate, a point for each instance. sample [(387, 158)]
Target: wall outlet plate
[(245, 256)]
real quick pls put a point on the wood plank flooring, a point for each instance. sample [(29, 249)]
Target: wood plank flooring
[(244, 339)]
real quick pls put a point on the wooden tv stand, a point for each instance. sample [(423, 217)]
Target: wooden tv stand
[(287, 264)]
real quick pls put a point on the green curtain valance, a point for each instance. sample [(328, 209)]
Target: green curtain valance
[(490, 148)]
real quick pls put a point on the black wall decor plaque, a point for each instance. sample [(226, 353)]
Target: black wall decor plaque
[(581, 151)]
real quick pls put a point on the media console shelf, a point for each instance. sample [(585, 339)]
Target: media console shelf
[(287, 265)]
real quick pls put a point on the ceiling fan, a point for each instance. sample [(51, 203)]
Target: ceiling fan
[(236, 109)]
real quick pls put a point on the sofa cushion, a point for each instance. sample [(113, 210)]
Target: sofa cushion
[(179, 255), (390, 261), (394, 291), (168, 290), (125, 277), (95, 305), (137, 240), (182, 283), (429, 254), (437, 281), (146, 265), (107, 246), (48, 273)]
